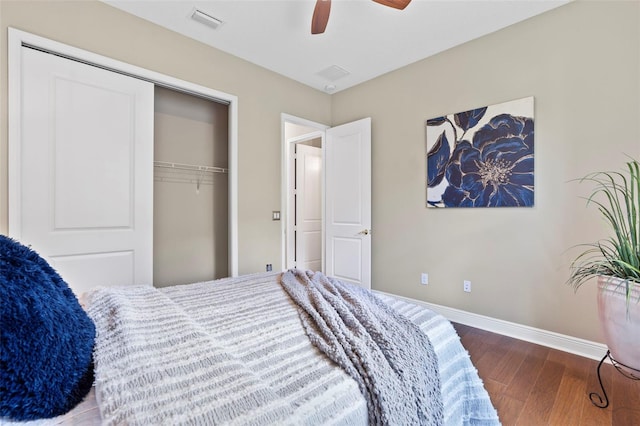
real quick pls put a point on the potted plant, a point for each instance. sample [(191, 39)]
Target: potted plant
[(615, 262)]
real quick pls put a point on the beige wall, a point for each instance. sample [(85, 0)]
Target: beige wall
[(262, 97), (581, 63)]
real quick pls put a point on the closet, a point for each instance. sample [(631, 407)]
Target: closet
[(114, 178), (190, 191)]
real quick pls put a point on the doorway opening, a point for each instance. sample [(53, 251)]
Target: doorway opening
[(345, 182), (190, 191), (302, 193)]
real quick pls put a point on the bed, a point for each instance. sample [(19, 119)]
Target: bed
[(237, 351)]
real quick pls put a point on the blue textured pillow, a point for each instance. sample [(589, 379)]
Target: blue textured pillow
[(46, 338)]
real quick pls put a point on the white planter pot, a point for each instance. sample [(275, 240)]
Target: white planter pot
[(620, 321)]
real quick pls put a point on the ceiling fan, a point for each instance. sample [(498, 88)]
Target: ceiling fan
[(323, 7)]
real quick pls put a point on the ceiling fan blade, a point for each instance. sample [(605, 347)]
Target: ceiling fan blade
[(396, 4), (320, 16)]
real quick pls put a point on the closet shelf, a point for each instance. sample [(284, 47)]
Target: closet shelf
[(190, 167), (197, 182)]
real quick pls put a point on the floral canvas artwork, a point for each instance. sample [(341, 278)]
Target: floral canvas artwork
[(482, 157)]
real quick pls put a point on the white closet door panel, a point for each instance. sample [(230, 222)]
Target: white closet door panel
[(105, 143), (81, 269), (86, 170)]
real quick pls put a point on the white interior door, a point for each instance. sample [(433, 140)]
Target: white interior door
[(85, 171), (348, 202), (308, 207)]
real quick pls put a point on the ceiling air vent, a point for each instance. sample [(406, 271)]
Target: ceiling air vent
[(333, 73), (206, 19)]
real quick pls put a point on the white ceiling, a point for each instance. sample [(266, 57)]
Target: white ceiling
[(362, 37)]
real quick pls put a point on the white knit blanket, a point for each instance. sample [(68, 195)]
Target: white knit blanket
[(234, 351)]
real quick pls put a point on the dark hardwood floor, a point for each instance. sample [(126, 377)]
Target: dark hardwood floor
[(531, 384)]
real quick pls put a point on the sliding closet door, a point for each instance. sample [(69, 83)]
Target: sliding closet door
[(86, 171)]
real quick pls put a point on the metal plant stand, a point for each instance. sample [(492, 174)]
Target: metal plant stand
[(623, 369)]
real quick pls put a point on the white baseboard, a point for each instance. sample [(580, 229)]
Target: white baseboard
[(574, 345)]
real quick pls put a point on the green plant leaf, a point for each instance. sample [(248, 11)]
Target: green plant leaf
[(617, 197)]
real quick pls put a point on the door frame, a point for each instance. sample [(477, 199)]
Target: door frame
[(286, 216), (18, 39)]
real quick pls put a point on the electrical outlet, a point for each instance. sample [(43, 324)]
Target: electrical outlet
[(467, 286), (269, 267), (424, 278)]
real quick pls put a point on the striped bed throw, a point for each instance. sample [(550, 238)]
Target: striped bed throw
[(234, 351)]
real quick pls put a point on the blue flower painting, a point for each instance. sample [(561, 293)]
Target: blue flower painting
[(482, 157)]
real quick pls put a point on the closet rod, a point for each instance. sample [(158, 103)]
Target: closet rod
[(190, 167), (183, 180)]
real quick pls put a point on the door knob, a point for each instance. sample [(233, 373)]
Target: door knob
[(364, 232)]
